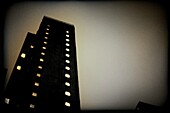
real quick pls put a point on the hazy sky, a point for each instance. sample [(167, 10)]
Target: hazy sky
[(121, 48)]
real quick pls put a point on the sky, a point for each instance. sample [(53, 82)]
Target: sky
[(121, 48)]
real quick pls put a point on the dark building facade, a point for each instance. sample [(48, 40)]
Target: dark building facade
[(45, 78)]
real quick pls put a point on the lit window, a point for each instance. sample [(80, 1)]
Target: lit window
[(19, 67), (38, 75), (36, 84), (67, 75), (67, 55), (67, 93), (48, 25), (45, 42), (67, 40), (41, 60), (67, 35), (31, 46), (67, 44), (67, 31), (32, 106), (67, 84), (44, 47), (7, 100), (40, 67), (67, 104), (34, 94), (67, 68), (47, 29), (46, 37), (67, 61), (23, 55), (42, 53), (67, 49), (46, 33)]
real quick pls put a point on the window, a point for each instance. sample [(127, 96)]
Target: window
[(67, 75), (18, 67), (32, 106), (67, 93), (67, 104), (7, 100), (34, 94), (36, 84), (67, 84), (23, 55), (38, 75)]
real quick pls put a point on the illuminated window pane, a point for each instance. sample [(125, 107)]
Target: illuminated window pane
[(67, 61), (67, 93), (67, 55), (46, 33), (44, 47), (23, 55), (67, 84), (67, 49), (48, 25), (67, 40), (67, 35), (40, 67), (67, 68), (67, 31), (45, 42), (47, 29), (67, 44), (67, 75), (19, 67), (34, 94), (46, 37), (38, 75), (41, 60), (7, 100), (67, 104), (31, 46), (32, 106), (42, 53), (36, 84)]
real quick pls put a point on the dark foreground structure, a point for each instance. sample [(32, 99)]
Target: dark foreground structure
[(45, 78)]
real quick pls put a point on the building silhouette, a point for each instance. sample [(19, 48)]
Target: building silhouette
[(45, 78)]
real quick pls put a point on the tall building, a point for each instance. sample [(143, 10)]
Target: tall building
[(45, 78)]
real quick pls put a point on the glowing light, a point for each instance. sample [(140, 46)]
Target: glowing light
[(67, 68), (46, 33), (67, 84), (40, 67), (67, 44), (67, 61), (67, 75), (32, 106), (7, 100), (67, 93), (38, 75), (36, 84), (31, 46), (47, 29), (44, 47), (42, 53), (67, 55), (67, 104), (67, 35), (41, 60), (67, 31), (45, 42), (48, 25), (46, 37), (34, 94), (19, 67), (67, 49), (23, 55), (67, 40)]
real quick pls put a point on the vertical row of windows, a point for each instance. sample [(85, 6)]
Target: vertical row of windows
[(67, 67), (44, 47)]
